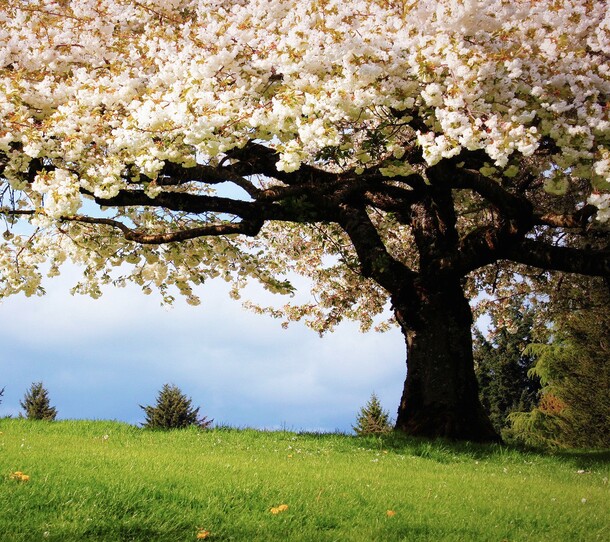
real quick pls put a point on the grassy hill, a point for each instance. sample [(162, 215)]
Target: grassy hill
[(108, 481)]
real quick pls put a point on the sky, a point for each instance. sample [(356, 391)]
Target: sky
[(102, 359)]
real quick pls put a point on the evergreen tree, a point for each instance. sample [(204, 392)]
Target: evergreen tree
[(36, 403), (574, 409), (502, 363), (173, 410), (372, 419)]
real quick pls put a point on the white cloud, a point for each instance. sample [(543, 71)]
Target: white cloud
[(102, 358)]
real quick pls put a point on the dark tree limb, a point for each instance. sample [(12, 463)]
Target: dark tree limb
[(250, 228), (175, 174), (257, 159), (482, 246), (375, 261), (556, 258), (510, 205), (179, 201)]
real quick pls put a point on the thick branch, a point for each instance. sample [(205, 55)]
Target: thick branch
[(375, 260), (482, 246), (174, 174), (392, 199), (250, 228), (554, 258), (252, 159), (513, 216), (276, 204), (257, 159), (178, 201), (515, 207)]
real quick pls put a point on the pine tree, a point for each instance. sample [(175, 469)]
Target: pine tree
[(372, 419), (502, 363), (173, 410), (574, 409), (36, 403)]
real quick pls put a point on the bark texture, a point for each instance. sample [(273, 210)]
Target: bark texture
[(440, 396)]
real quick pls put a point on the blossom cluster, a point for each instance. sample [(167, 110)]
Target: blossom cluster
[(104, 93), (98, 85)]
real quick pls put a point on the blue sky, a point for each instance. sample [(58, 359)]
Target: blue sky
[(101, 359)]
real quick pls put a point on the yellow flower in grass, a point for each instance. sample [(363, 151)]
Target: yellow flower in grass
[(202, 534), (390, 513), (280, 508), (20, 477)]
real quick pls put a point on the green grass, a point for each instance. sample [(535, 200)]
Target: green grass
[(107, 481)]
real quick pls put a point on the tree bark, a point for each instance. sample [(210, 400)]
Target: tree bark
[(441, 396)]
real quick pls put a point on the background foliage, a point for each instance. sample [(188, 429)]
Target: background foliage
[(502, 364), (574, 369)]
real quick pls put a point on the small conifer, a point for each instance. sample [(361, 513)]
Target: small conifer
[(372, 419), (36, 403), (173, 410)]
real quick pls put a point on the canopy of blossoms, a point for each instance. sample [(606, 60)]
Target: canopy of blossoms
[(99, 98)]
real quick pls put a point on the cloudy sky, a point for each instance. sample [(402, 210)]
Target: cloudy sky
[(101, 359)]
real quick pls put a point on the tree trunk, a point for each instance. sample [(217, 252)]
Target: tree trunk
[(441, 397)]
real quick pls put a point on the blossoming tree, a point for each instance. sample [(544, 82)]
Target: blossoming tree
[(390, 150)]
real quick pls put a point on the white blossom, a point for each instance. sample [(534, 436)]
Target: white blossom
[(602, 202), (97, 95)]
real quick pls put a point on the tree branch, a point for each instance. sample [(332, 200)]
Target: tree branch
[(257, 159), (482, 246), (554, 258), (249, 228), (515, 207), (392, 199), (178, 201), (375, 261), (174, 174)]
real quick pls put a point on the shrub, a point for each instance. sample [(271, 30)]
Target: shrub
[(36, 403), (173, 411), (372, 419)]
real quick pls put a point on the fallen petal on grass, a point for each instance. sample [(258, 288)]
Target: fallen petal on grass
[(280, 508)]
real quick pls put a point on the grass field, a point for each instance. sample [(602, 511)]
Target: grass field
[(107, 481)]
